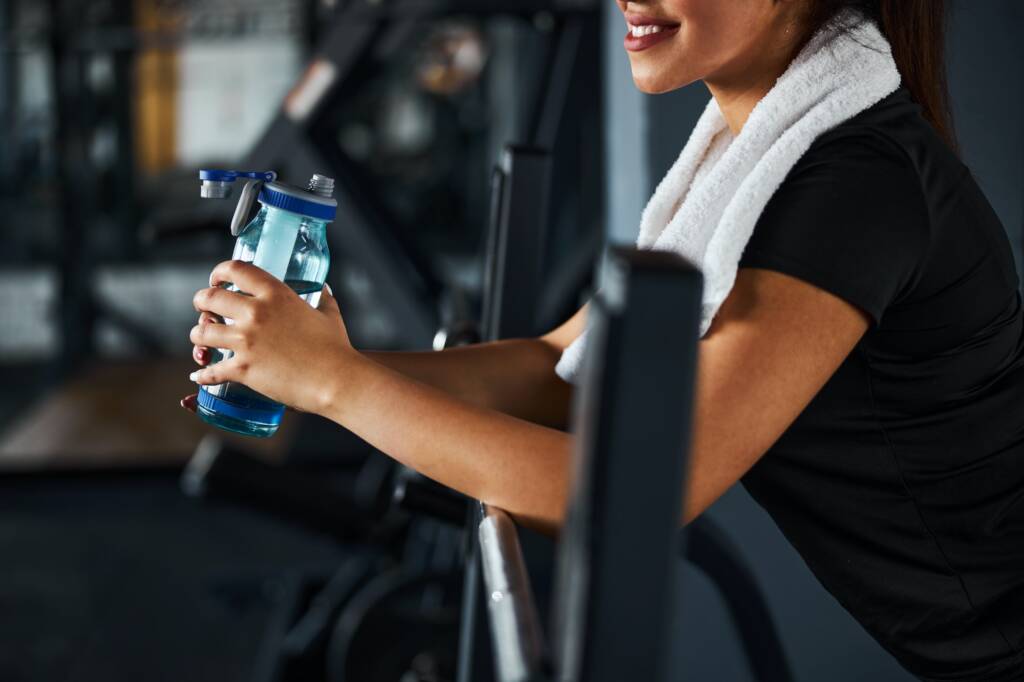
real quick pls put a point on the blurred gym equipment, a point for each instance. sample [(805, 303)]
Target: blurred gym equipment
[(133, 246), (400, 101)]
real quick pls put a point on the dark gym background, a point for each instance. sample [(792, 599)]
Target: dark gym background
[(120, 577)]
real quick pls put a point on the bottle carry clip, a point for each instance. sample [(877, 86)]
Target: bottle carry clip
[(218, 184)]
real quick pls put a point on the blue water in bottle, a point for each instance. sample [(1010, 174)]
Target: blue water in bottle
[(288, 239)]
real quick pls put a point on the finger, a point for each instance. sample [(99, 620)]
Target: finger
[(228, 370), (189, 402), (214, 336), (221, 302), (201, 354), (210, 318), (246, 276), (328, 304)]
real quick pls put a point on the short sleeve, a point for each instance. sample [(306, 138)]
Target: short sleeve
[(850, 218)]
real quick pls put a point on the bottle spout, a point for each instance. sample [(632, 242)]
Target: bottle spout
[(321, 185), (215, 189)]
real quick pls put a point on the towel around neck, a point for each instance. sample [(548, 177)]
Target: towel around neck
[(706, 206)]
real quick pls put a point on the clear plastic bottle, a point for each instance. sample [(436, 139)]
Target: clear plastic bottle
[(288, 239)]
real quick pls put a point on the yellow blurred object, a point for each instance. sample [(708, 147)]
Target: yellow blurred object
[(156, 87)]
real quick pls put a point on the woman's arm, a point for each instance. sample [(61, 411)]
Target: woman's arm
[(516, 377), (775, 342), (510, 462)]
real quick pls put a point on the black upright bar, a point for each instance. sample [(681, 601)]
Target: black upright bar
[(72, 106), (8, 92), (513, 268), (618, 548), (516, 245)]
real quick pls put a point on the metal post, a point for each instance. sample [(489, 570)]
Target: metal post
[(618, 547), (515, 625), (75, 289)]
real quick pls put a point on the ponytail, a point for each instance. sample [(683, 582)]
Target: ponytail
[(916, 30)]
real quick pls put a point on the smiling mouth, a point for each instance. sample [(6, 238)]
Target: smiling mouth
[(650, 29), (642, 36)]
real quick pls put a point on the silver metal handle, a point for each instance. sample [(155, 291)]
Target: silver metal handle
[(515, 625)]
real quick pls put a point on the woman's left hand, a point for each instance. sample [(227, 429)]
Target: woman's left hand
[(283, 347)]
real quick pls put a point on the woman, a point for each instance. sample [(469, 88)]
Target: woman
[(862, 376)]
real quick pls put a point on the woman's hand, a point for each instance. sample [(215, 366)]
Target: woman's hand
[(282, 347), (202, 354)]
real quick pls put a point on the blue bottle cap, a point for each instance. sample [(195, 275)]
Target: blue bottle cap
[(217, 184), (298, 201), (218, 175)]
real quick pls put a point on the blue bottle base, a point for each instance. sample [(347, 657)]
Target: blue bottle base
[(260, 422)]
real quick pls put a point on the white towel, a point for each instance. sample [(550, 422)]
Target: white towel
[(706, 206)]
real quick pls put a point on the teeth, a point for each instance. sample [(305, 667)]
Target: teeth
[(639, 31)]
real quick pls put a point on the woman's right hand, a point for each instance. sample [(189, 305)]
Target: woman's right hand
[(202, 355)]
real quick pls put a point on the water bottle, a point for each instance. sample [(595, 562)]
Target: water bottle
[(288, 239)]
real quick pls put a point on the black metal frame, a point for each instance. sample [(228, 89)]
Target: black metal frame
[(617, 550), (8, 88), (708, 548), (516, 244), (511, 300), (620, 544)]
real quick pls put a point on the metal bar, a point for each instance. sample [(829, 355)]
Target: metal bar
[(708, 548), (8, 92), (571, 99), (74, 202), (519, 244), (474, 655), (618, 546), (515, 626), (558, 84)]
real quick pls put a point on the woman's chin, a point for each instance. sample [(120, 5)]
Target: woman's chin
[(656, 84)]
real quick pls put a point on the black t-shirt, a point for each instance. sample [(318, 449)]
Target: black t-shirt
[(902, 483)]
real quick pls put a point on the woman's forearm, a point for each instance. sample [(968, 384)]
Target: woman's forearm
[(516, 377), (519, 466)]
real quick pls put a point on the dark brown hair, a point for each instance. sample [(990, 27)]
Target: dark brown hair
[(916, 30)]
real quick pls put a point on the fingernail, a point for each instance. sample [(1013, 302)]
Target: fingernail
[(327, 287), (194, 377)]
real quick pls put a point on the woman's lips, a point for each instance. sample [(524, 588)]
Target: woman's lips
[(641, 37)]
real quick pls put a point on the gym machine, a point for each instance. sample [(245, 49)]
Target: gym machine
[(618, 548), (645, 396), (620, 545)]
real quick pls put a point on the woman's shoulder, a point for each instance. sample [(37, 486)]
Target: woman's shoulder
[(851, 217), (890, 135)]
